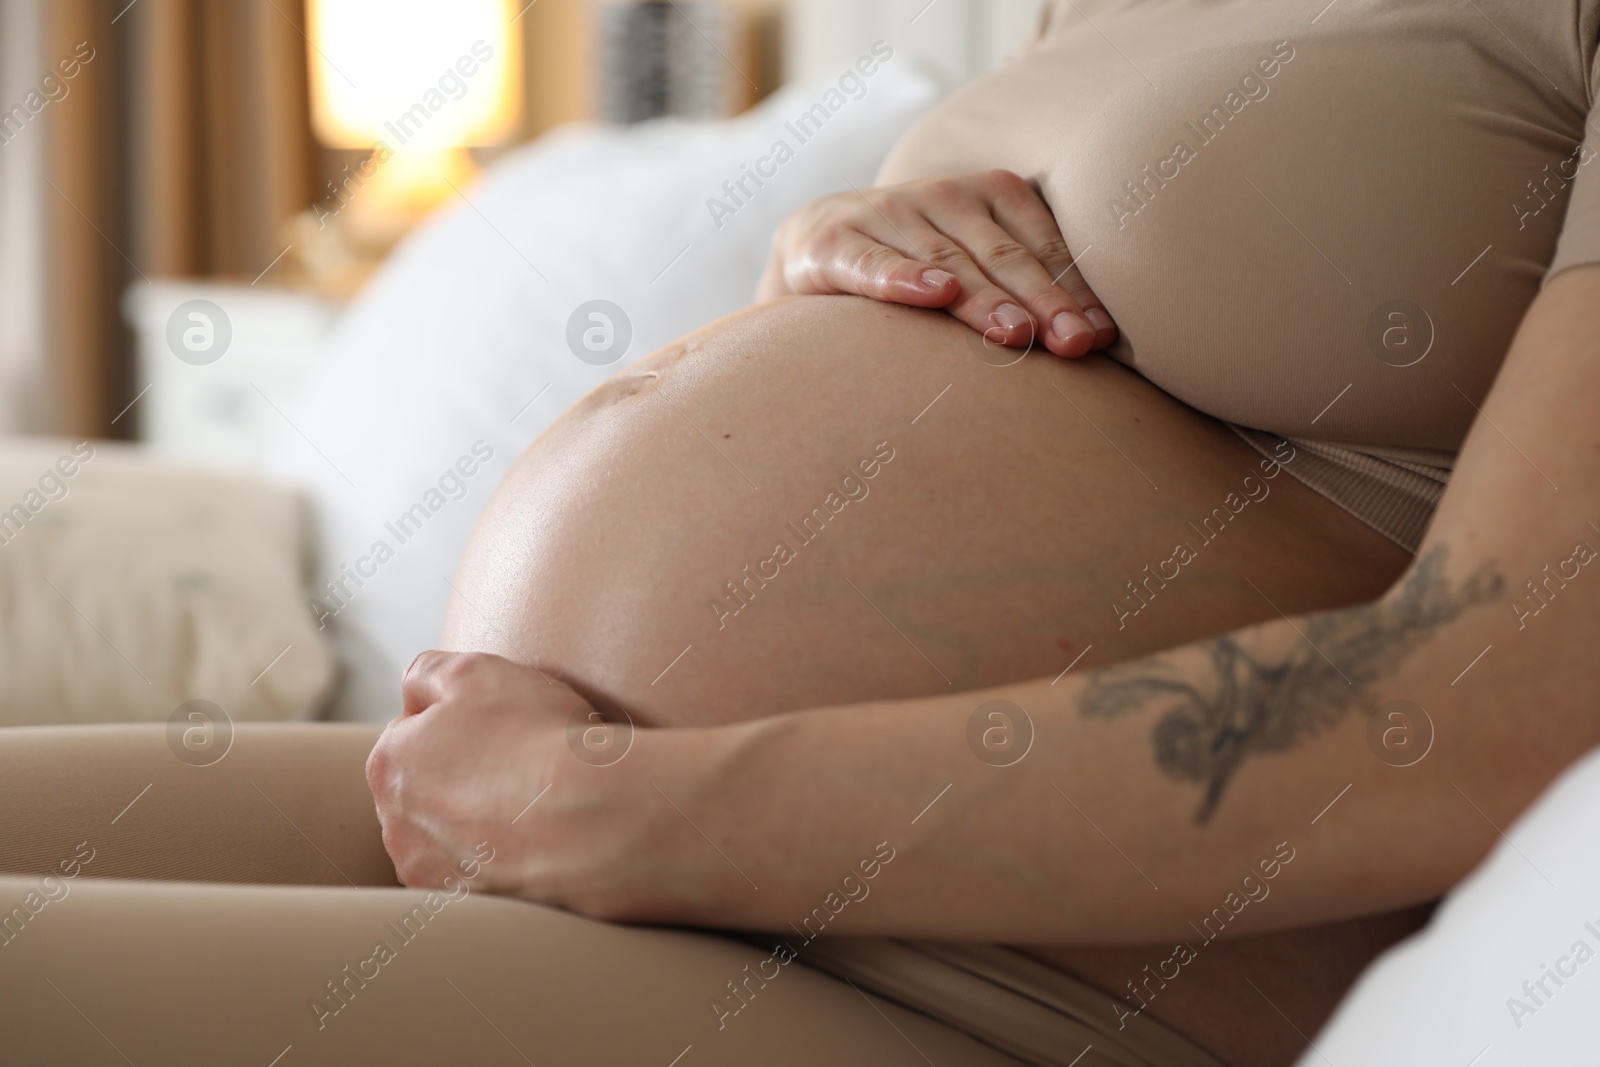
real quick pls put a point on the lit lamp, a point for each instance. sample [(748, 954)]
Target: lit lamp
[(417, 82)]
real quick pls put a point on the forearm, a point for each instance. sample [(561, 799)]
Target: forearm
[(1150, 789), (1101, 832)]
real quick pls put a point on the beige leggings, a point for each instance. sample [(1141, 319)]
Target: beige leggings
[(269, 955)]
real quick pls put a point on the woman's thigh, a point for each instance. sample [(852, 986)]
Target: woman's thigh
[(828, 500), (146, 972), (267, 803)]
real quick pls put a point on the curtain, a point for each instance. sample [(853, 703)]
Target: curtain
[(179, 151), (23, 365), (182, 146)]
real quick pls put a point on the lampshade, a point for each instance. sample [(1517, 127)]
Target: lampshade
[(433, 74)]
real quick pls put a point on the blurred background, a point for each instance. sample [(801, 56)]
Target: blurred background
[(221, 139), (287, 285)]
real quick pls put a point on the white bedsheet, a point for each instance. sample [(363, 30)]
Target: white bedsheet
[(1480, 985)]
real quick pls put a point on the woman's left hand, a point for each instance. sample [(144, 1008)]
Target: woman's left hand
[(479, 765)]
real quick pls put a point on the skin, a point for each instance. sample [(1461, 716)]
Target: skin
[(832, 708), (983, 246)]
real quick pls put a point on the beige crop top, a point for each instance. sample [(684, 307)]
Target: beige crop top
[(1321, 221)]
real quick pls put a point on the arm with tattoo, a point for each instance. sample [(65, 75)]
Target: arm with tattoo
[(1248, 706)]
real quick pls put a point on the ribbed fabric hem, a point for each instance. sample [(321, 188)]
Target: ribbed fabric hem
[(1394, 497), (1034, 1013)]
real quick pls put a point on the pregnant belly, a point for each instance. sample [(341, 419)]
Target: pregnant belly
[(833, 500)]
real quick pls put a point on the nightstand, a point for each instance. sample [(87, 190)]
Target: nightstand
[(221, 366)]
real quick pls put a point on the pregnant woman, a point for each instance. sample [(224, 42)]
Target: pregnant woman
[(1149, 532)]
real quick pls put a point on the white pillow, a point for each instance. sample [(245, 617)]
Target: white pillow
[(132, 585), (1454, 993), (441, 358)]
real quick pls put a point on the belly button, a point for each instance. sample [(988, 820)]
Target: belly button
[(628, 385)]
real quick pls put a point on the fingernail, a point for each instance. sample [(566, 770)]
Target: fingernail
[(1066, 326), (1010, 316), (937, 279), (1099, 319)]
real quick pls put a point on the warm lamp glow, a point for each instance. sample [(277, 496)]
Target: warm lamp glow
[(414, 74), (418, 82)]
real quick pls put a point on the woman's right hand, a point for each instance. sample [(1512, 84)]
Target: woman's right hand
[(984, 247)]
